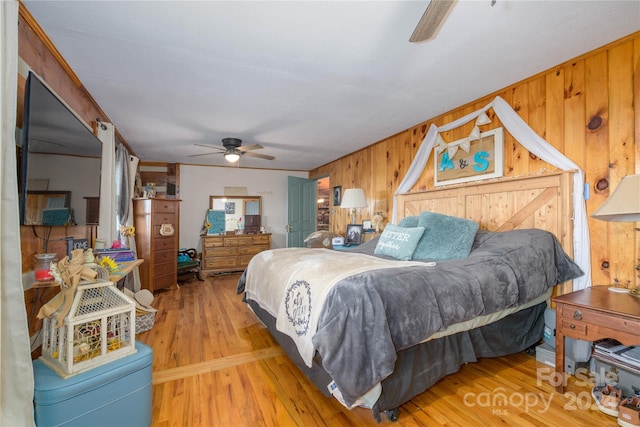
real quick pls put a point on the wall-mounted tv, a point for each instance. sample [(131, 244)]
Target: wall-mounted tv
[(61, 161)]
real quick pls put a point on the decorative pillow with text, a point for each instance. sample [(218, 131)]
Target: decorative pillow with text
[(398, 242)]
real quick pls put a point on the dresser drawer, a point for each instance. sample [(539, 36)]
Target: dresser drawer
[(597, 319), (222, 251), (166, 268), (574, 328), (261, 239), (164, 281), (165, 218), (165, 244), (243, 260), (212, 242), (252, 250), (221, 262), (165, 206), (237, 241), (162, 257)]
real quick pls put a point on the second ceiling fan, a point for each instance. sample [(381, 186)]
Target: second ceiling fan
[(431, 20)]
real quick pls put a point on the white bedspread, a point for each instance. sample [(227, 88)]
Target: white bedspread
[(294, 292)]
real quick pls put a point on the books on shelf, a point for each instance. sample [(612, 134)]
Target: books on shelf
[(117, 254), (615, 352)]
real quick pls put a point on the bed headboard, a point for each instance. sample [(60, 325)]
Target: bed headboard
[(540, 201)]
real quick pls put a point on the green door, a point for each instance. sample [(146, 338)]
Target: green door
[(301, 210)]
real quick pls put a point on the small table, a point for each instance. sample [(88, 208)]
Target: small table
[(124, 268), (595, 313)]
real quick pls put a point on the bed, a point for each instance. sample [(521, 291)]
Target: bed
[(373, 328)]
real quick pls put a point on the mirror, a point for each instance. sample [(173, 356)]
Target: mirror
[(60, 154), (234, 214)]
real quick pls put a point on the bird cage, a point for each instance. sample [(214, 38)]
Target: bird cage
[(99, 328)]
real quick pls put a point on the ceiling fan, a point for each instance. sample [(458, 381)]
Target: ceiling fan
[(431, 20), (233, 149)]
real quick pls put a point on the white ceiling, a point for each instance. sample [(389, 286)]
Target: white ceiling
[(311, 81)]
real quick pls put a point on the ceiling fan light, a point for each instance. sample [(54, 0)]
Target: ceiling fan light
[(232, 157)]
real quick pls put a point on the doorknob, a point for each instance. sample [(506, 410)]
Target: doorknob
[(288, 228)]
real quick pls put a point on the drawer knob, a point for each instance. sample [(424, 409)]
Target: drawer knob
[(577, 315), (572, 326)]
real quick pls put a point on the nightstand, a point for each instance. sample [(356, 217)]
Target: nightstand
[(594, 313)]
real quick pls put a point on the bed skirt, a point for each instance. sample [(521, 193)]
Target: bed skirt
[(421, 366)]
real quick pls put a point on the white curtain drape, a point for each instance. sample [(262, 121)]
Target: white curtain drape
[(133, 168), (537, 145), (108, 227), (16, 372)]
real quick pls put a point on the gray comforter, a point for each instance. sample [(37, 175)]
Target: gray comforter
[(370, 316)]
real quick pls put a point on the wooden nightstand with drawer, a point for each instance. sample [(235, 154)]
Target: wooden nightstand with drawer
[(228, 253), (594, 313)]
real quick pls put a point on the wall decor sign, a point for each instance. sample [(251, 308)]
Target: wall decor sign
[(469, 159)]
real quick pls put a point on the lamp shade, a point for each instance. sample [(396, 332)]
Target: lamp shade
[(232, 157), (354, 198), (624, 204)]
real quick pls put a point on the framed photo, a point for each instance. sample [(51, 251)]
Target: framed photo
[(366, 224), (464, 160), (230, 207), (337, 195), (353, 234)]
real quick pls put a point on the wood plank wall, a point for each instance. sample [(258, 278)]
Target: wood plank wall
[(585, 108)]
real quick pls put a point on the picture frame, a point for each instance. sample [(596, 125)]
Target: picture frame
[(337, 195), (353, 236), (366, 224), (467, 160)]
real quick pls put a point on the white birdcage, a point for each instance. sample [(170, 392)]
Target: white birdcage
[(99, 328)]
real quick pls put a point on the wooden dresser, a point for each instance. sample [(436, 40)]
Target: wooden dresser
[(231, 252), (160, 253)]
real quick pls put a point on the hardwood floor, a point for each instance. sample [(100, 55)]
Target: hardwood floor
[(216, 365)]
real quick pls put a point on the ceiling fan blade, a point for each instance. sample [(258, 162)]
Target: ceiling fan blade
[(250, 147), (206, 154), (262, 156), (220, 149), (431, 20)]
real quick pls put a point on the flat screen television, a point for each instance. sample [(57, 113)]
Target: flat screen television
[(61, 161)]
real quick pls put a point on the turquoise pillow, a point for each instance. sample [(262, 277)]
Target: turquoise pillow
[(445, 237), (409, 221), (398, 242)]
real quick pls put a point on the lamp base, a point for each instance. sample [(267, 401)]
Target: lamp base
[(619, 289)]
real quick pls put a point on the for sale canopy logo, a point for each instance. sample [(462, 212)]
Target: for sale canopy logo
[(298, 306)]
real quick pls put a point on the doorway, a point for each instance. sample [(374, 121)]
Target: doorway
[(323, 204)]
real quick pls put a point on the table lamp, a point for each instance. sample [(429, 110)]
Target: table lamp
[(622, 206), (353, 199)]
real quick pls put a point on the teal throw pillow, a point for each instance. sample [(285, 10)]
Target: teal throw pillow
[(409, 221), (398, 242), (444, 237)]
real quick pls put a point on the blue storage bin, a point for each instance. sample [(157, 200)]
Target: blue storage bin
[(117, 393)]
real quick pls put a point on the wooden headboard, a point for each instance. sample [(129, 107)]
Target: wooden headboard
[(540, 201)]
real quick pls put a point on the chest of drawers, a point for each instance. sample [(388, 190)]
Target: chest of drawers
[(160, 252), (231, 253)]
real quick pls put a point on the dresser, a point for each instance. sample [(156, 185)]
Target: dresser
[(160, 252), (231, 252)]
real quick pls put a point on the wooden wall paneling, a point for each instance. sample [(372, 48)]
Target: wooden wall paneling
[(636, 103), (554, 108), (597, 158), (574, 88), (537, 119), (519, 155), (379, 170), (621, 133)]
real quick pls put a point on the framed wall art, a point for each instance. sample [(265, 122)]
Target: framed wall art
[(337, 195), (469, 160)]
